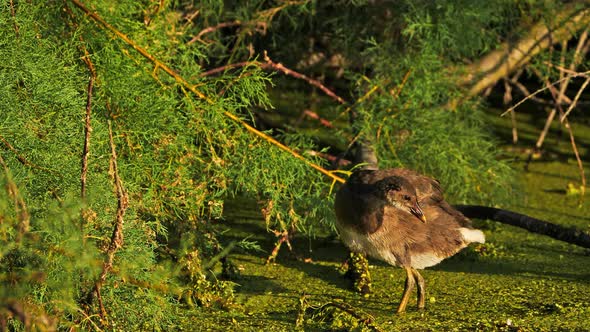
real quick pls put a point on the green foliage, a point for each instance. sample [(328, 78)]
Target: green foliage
[(181, 159)]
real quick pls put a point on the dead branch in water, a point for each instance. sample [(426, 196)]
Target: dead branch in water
[(566, 234)]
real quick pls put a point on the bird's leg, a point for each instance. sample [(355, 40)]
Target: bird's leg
[(421, 289), (407, 290)]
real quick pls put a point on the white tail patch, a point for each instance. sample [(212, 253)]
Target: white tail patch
[(425, 260), (472, 235)]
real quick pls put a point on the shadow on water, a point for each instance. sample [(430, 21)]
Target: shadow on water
[(320, 257), (253, 284), (326, 254)]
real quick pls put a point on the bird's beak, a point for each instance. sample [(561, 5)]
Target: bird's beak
[(417, 211)]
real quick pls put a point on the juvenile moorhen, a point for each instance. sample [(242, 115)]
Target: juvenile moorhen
[(400, 216)]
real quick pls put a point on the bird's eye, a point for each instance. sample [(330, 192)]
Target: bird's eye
[(406, 197)]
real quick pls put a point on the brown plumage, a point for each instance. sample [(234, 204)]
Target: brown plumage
[(400, 216)]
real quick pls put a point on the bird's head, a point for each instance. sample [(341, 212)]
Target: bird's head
[(400, 193)]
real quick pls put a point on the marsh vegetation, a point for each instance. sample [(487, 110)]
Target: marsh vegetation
[(170, 165)]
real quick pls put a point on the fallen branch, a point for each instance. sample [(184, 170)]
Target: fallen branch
[(566, 234), (513, 55)]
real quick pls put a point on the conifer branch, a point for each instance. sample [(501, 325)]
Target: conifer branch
[(13, 14), (19, 204), (20, 157), (141, 50), (117, 236), (280, 67), (199, 94), (87, 127), (277, 66)]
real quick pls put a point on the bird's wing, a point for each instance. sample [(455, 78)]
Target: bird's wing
[(356, 207)]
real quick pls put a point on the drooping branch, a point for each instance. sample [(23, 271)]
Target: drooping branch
[(21, 158), (117, 236), (193, 89), (13, 14), (87, 127), (268, 64), (19, 204), (569, 235), (511, 56)]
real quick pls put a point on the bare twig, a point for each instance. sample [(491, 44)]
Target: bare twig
[(87, 127), (579, 53), (547, 87), (331, 158), (231, 66), (315, 116), (269, 64), (508, 101), (214, 28), (525, 92), (575, 101), (565, 70), (117, 236), (279, 67), (283, 238), (566, 124)]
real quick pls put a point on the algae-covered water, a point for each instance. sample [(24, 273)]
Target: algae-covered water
[(519, 281)]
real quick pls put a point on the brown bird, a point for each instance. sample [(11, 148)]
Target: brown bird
[(400, 216)]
